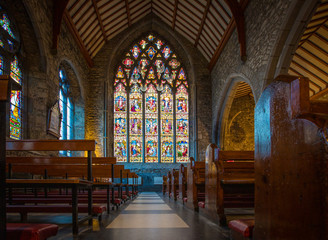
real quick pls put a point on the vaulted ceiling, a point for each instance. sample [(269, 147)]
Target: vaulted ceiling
[(205, 23), (311, 57)]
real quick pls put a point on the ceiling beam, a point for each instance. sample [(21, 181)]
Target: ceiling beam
[(319, 94), (208, 4), (238, 14), (225, 38), (99, 19), (128, 12), (58, 12), (70, 24), (313, 32), (175, 13)]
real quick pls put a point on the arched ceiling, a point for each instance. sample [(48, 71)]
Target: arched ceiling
[(311, 57), (205, 23)]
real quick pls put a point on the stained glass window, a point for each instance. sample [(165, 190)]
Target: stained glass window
[(66, 109), (15, 102), (151, 110)]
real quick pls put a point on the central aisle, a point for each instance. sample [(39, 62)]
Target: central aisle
[(149, 217)]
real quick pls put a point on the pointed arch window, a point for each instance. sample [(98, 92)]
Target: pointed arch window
[(151, 110), (66, 109), (10, 64)]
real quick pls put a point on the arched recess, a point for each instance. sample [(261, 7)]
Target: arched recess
[(75, 93), (236, 121)]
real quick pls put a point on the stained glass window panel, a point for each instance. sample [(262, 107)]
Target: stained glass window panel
[(182, 126), (151, 116), (135, 111), (5, 24), (167, 125), (16, 72), (15, 115), (120, 123)]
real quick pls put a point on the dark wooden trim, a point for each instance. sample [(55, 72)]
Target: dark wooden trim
[(99, 19), (238, 14), (175, 13), (127, 12), (208, 4), (58, 12), (75, 33)]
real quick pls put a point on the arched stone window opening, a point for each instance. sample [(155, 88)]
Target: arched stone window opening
[(237, 123), (151, 104)]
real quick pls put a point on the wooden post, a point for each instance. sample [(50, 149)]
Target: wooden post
[(6, 85)]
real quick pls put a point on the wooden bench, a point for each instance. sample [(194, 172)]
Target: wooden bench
[(164, 185), (59, 145), (196, 183), (28, 231), (174, 183), (183, 184), (229, 181)]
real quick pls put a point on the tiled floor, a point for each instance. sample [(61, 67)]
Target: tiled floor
[(149, 217)]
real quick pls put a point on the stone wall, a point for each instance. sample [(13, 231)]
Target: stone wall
[(262, 33), (40, 64), (239, 131)]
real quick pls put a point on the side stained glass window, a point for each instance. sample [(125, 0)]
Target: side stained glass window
[(11, 65), (66, 109), (151, 110)]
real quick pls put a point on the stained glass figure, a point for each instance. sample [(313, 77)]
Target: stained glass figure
[(143, 44), (128, 62), (151, 52), (166, 52), (150, 37), (5, 24), (135, 112), (159, 44), (182, 127), (16, 72), (135, 51), (15, 115), (182, 75), (174, 63), (1, 65), (151, 124), (120, 123), (120, 73), (1, 43), (151, 74)]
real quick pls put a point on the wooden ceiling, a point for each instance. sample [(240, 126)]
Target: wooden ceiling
[(311, 57), (205, 23), (243, 89)]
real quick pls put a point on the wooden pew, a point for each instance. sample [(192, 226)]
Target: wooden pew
[(175, 183), (183, 184), (229, 181), (196, 183), (59, 145), (169, 183), (164, 186)]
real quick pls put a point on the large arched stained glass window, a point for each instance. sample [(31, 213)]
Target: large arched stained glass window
[(9, 64), (151, 110)]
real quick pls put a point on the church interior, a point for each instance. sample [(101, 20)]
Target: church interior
[(164, 119)]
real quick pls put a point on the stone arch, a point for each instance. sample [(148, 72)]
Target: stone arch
[(228, 118), (297, 18)]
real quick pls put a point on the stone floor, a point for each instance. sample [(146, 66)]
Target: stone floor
[(148, 217)]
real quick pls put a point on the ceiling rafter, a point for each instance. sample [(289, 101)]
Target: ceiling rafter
[(217, 22), (208, 4), (175, 13), (94, 3), (159, 7), (78, 11), (74, 5), (311, 81), (314, 56), (142, 13), (77, 38), (311, 34), (310, 73), (83, 15), (160, 14), (238, 14), (320, 94), (190, 12), (128, 12)]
